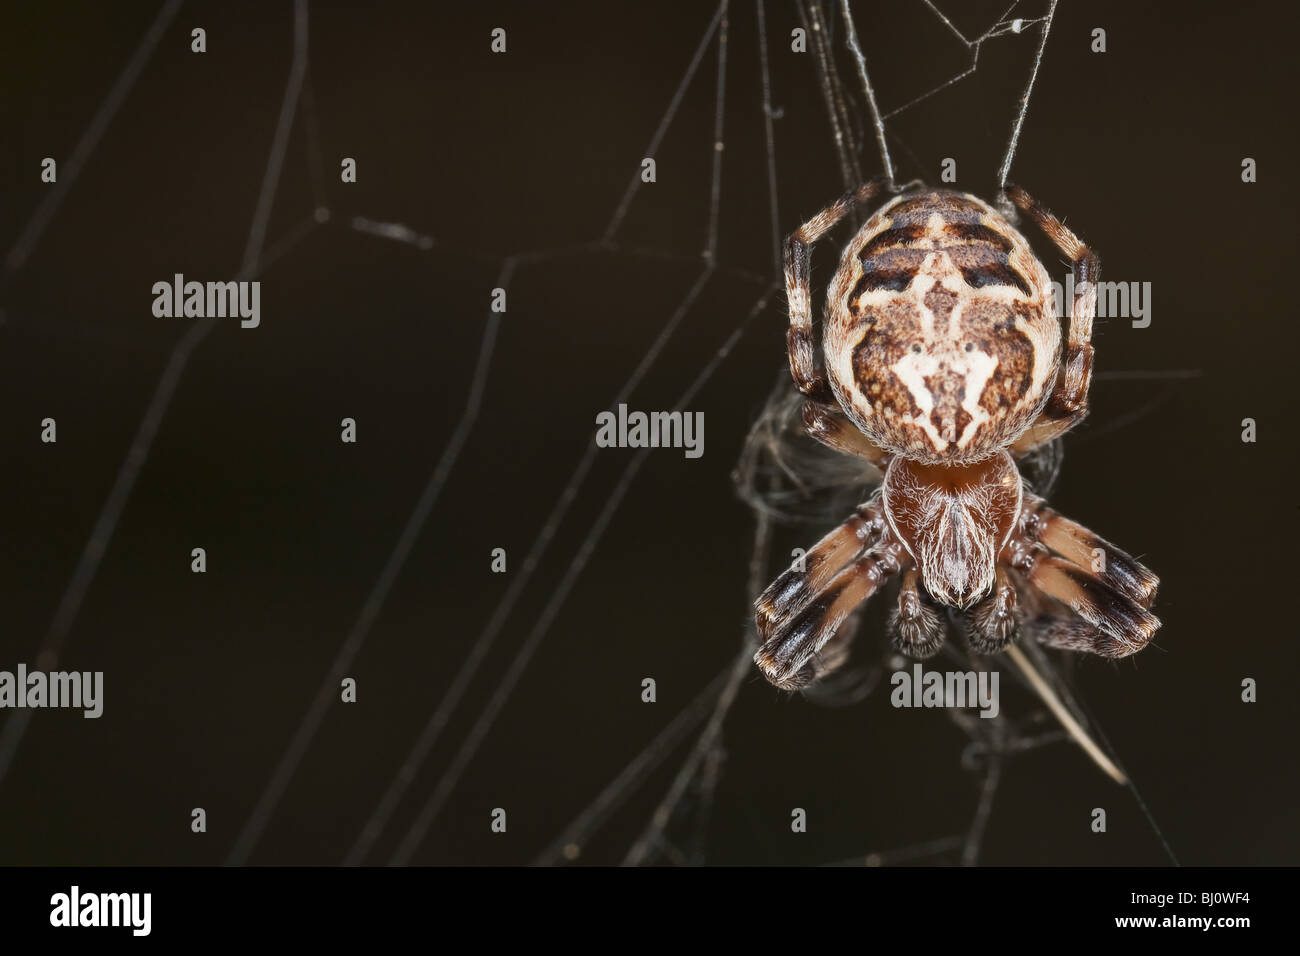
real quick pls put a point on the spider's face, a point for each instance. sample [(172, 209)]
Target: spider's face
[(942, 340)]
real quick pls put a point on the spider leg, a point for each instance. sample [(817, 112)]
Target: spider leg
[(809, 374), (802, 610), (809, 576), (1089, 550), (1047, 623), (1122, 626), (994, 621), (832, 682), (1067, 633), (1068, 403), (830, 426), (917, 627)]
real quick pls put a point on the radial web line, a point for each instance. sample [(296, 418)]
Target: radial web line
[(715, 182), (315, 715), (709, 744), (311, 130), (721, 691), (568, 845), (1019, 123), (711, 738), (106, 524), (72, 166), (487, 638), (988, 792), (841, 132), (352, 644), (769, 137), (290, 240), (870, 93), (432, 730), (620, 211), (419, 828)]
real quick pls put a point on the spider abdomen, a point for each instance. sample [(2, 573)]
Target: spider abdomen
[(942, 336)]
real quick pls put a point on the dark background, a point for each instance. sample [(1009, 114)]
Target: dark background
[(208, 676)]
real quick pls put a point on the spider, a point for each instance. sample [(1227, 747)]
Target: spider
[(943, 367)]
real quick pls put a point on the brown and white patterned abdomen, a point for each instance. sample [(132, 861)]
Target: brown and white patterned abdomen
[(941, 340)]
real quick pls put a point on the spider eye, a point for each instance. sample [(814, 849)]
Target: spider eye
[(970, 346), (916, 349)]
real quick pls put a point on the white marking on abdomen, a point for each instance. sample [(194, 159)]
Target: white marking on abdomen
[(980, 367)]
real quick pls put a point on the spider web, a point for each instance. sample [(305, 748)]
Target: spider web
[(667, 790)]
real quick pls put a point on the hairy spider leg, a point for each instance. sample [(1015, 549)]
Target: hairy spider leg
[(1068, 403), (1087, 549), (917, 627), (810, 574), (809, 374), (801, 611), (830, 426), (994, 622), (787, 656), (1122, 623)]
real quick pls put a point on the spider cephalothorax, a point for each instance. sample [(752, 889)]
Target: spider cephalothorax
[(943, 364)]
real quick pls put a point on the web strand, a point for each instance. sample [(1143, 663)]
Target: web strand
[(106, 524), (351, 647), (433, 729), (415, 835), (878, 124), (769, 137), (71, 169), (845, 151), (620, 211), (570, 842), (1000, 27), (568, 845), (487, 638), (1005, 169), (710, 740)]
